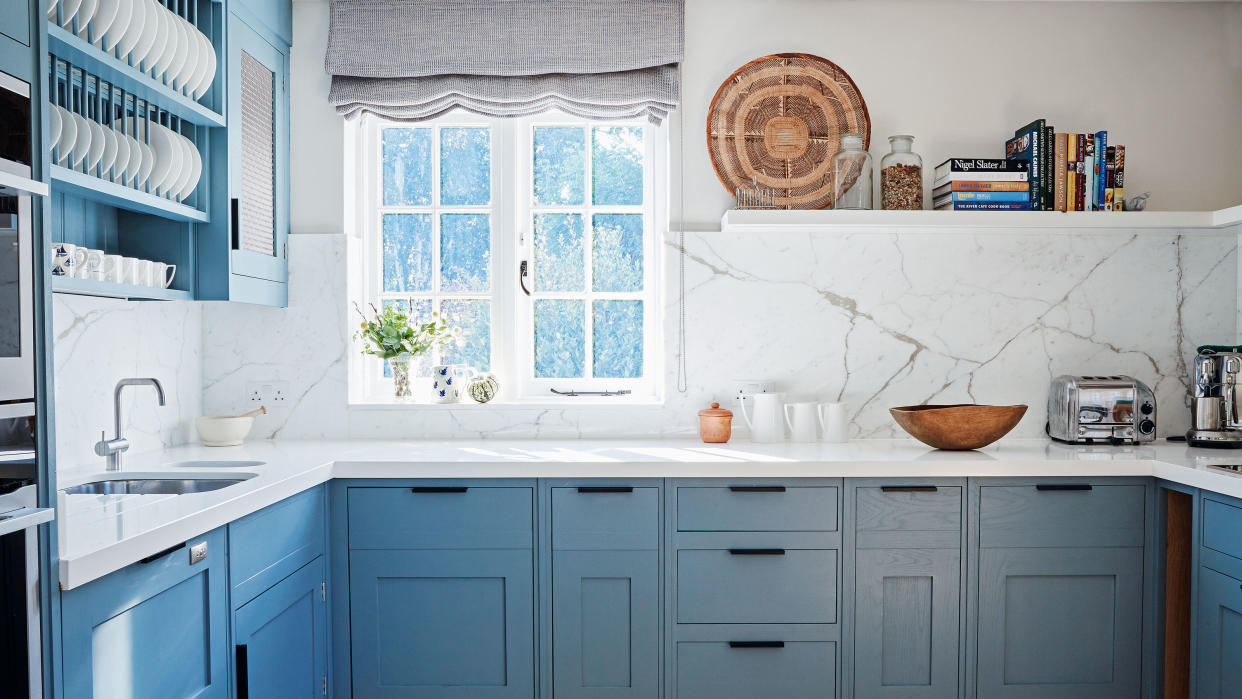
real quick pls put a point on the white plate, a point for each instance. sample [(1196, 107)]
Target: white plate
[(68, 136), (187, 167), (94, 155), (190, 68), (132, 31), (143, 180), (51, 9), (120, 25), (152, 44), (68, 8), (53, 128), (104, 17), (196, 170), (134, 167), (83, 17), (181, 55), (167, 160), (121, 164), (169, 30), (207, 73), (108, 159), (82, 146)]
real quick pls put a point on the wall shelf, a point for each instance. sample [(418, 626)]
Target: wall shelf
[(826, 221), (67, 46), (90, 287), (120, 196)]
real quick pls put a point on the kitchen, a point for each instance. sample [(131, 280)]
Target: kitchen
[(557, 524)]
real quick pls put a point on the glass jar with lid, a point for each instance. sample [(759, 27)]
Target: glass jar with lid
[(901, 176), (851, 174)]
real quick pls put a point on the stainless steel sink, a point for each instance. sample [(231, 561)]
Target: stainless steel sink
[(217, 464), (147, 484)]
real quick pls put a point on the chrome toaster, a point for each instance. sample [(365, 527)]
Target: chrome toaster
[(1093, 409)]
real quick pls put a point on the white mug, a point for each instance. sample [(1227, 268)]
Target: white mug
[(112, 271), (766, 424), (66, 259), (835, 422), (142, 272), (92, 268), (803, 421), (129, 267), (447, 381), (162, 274)]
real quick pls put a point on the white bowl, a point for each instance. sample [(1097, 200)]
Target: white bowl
[(223, 431), (68, 136)]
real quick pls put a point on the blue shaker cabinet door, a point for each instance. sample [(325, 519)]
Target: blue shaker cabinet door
[(280, 639), (1219, 635), (153, 630), (606, 624), (1060, 622), (442, 624), (906, 621)]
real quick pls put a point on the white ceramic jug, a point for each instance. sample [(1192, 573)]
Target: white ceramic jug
[(803, 421), (766, 416)]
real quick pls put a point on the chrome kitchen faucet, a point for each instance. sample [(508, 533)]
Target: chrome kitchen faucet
[(112, 448)]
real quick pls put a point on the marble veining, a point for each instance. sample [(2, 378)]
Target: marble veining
[(874, 319)]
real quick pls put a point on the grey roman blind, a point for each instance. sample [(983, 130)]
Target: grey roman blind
[(416, 59)]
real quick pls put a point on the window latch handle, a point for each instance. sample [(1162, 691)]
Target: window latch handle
[(523, 272)]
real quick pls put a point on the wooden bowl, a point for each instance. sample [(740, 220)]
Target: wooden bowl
[(958, 427)]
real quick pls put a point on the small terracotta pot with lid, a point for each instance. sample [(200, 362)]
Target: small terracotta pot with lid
[(715, 424)]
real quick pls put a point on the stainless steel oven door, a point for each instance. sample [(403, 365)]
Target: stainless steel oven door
[(17, 361)]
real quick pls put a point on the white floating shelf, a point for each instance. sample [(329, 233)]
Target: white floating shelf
[(822, 221), (88, 287)]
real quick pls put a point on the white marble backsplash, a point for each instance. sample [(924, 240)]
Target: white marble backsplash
[(875, 319), (97, 341)]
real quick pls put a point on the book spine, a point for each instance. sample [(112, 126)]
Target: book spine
[(988, 196), (1110, 165), (1119, 180), (1059, 172), (1088, 173), (1080, 168), (969, 186), (980, 165), (986, 206), (981, 177), (1071, 169), (1101, 149)]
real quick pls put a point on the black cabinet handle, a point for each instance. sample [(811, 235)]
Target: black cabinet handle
[(604, 489), (757, 552), (1063, 486), (160, 554), (757, 488), (243, 674), (439, 489), (235, 222), (756, 644), (908, 489)]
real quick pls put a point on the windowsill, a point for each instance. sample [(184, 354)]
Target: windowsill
[(530, 404)]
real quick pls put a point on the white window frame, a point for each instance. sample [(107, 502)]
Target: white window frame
[(511, 210)]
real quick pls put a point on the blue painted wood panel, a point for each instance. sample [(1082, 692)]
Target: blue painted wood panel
[(906, 619), (601, 519), (475, 517), (798, 670), (1025, 515), (280, 639), (606, 624), (1060, 622), (716, 586), (1219, 636), (156, 630), (1222, 527), (795, 508), (267, 546), (442, 624)]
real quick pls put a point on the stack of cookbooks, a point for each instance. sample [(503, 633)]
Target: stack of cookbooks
[(1070, 171), (992, 184)]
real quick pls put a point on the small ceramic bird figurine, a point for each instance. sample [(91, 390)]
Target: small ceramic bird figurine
[(1138, 203)]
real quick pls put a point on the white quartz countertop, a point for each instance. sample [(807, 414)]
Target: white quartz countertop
[(103, 533)]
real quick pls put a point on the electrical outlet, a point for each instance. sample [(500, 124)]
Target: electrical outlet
[(254, 392), (279, 394), (272, 394), (745, 387)]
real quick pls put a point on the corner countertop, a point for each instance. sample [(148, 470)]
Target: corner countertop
[(103, 533)]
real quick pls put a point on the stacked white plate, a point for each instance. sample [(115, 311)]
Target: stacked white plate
[(146, 35), (167, 164)]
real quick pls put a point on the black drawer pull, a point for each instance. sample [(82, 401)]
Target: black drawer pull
[(1063, 486), (757, 488), (908, 489), (439, 489), (757, 552), (243, 672), (604, 489), (756, 644), (160, 554)]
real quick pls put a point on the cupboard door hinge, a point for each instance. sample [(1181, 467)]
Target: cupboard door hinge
[(323, 591)]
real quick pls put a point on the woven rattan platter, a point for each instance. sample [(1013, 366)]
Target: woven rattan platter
[(778, 120)]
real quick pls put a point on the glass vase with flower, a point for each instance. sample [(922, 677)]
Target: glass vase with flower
[(392, 334)]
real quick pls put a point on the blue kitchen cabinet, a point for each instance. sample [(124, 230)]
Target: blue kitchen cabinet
[(17, 33), (1219, 636), (157, 629), (280, 638)]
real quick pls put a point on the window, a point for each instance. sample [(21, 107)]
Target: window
[(538, 237)]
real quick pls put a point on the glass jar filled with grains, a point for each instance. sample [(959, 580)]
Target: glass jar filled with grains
[(901, 176), (851, 174)]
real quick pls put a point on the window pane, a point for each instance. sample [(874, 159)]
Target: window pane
[(617, 165), (465, 252), (560, 338), (419, 310), (617, 260), (617, 339), (560, 165), (407, 167), (474, 317), (559, 264), (465, 167), (407, 252)]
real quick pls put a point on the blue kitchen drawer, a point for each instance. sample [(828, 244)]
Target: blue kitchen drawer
[(757, 508), (269, 545), (899, 508), (752, 668), (1055, 515), (441, 517), (757, 586), (1222, 524), (606, 518)]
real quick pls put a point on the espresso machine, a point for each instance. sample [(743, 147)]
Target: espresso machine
[(1216, 421)]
